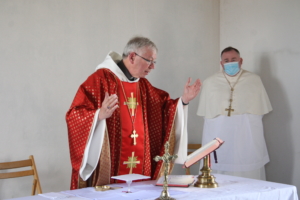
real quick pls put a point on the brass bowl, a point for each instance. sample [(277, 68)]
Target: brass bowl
[(102, 188)]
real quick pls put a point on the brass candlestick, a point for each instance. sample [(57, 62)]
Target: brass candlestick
[(206, 180), (166, 158)]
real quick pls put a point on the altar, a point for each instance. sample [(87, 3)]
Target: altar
[(230, 188)]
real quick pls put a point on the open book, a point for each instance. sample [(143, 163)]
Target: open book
[(177, 180), (202, 152)]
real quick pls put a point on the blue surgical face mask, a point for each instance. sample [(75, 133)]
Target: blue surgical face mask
[(231, 68)]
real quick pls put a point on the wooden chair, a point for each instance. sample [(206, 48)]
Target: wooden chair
[(19, 164), (191, 149)]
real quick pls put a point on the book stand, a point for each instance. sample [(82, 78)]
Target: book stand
[(206, 180)]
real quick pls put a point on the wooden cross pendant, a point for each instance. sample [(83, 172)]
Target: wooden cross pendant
[(134, 135), (131, 163)]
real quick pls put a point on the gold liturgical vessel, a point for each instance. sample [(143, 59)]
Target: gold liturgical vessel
[(206, 180)]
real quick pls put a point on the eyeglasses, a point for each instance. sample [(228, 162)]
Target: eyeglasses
[(150, 62)]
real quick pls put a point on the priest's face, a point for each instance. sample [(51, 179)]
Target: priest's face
[(231, 56), (144, 62)]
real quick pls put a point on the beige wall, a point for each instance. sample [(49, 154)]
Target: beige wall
[(49, 47), (267, 32)]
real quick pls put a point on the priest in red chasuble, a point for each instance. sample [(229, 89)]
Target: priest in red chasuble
[(118, 122)]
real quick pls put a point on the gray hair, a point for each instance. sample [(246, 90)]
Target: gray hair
[(136, 44)]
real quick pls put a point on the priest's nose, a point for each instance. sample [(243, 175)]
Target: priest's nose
[(151, 66)]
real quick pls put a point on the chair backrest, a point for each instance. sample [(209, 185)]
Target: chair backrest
[(191, 149), (20, 164)]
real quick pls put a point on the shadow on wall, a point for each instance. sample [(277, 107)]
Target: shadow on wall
[(277, 125)]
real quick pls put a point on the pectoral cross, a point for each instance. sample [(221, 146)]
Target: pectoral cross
[(230, 101), (131, 103), (134, 136), (131, 163), (229, 109)]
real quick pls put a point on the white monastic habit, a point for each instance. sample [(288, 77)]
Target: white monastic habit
[(94, 145), (244, 152)]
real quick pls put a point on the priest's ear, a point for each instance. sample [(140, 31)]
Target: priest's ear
[(131, 57), (241, 62), (221, 63)]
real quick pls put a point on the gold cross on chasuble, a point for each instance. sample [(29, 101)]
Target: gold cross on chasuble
[(131, 163), (131, 103)]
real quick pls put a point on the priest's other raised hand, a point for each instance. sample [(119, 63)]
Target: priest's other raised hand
[(190, 91)]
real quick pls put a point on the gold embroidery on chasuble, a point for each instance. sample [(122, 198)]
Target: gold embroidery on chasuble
[(102, 173), (79, 122), (131, 163), (159, 114), (132, 128), (82, 183)]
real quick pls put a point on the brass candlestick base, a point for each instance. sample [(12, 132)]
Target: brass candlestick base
[(206, 180), (165, 196)]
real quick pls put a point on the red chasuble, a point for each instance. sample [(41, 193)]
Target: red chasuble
[(132, 141)]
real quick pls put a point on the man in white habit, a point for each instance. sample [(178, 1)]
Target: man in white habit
[(233, 102)]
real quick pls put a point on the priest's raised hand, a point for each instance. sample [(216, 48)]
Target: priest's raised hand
[(190, 91)]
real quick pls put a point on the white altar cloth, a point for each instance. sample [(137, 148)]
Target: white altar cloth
[(230, 188)]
